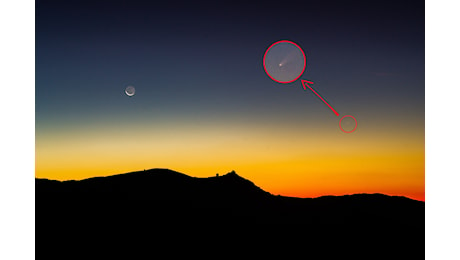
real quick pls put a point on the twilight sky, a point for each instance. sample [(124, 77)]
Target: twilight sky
[(204, 103)]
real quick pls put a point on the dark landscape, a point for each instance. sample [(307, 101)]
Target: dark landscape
[(151, 213)]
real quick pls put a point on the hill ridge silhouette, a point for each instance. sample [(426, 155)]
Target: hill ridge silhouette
[(232, 175), (215, 209)]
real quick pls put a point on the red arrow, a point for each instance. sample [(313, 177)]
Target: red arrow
[(304, 82)]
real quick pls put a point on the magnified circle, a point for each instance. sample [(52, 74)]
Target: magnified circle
[(348, 126), (130, 91), (284, 61)]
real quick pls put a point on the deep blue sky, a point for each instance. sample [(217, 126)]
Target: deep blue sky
[(201, 56)]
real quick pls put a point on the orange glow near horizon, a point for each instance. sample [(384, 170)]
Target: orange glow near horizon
[(280, 161)]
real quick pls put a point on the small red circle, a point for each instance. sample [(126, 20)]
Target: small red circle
[(340, 124), (304, 59)]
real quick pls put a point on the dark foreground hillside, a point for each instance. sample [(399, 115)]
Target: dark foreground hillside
[(162, 214)]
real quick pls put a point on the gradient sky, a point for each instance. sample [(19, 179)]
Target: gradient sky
[(204, 104)]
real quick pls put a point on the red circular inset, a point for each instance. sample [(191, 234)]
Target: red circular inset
[(304, 58), (340, 124)]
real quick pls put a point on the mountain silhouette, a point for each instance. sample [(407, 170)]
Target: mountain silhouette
[(160, 210)]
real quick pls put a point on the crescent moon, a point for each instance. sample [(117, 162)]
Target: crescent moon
[(130, 91)]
